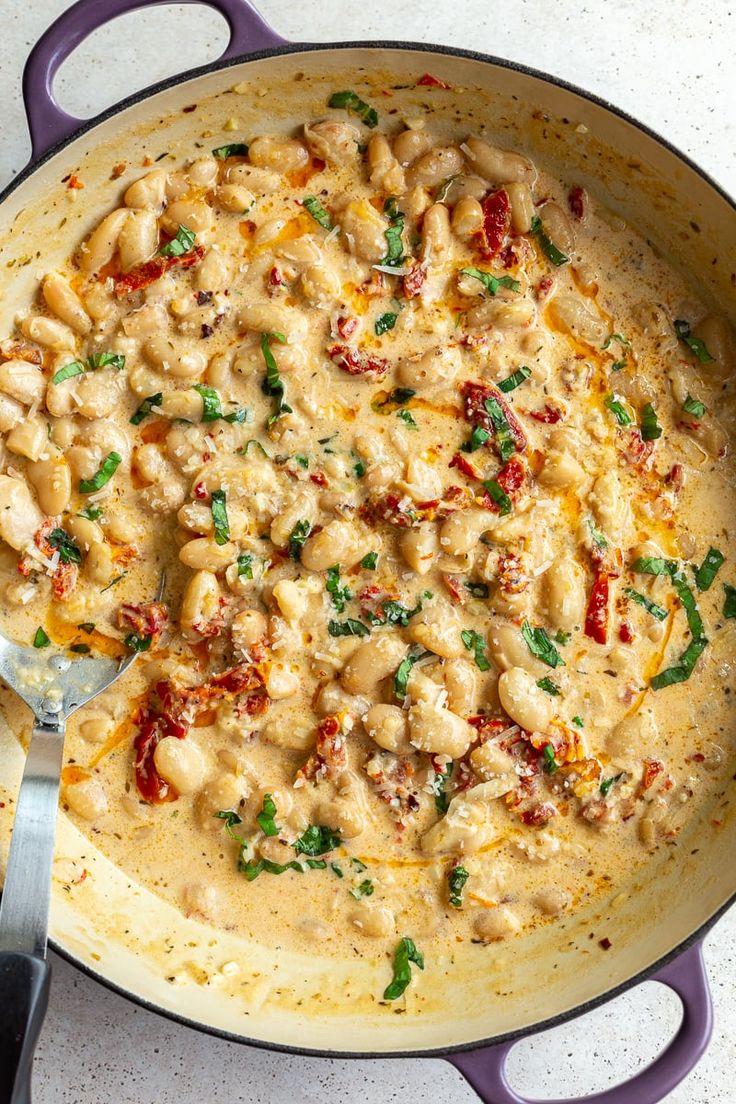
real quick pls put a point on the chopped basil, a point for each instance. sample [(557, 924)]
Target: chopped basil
[(653, 565), (266, 816), (340, 595), (651, 430), (369, 561), (456, 880), (317, 211), (515, 379), (109, 466), (596, 535), (302, 461), (273, 384), (729, 604), (351, 627), (498, 495), (608, 783), (682, 670), (618, 410), (211, 405), (478, 590), (365, 889), (439, 788), (504, 440), (475, 643), (396, 613), (395, 253), (490, 282), (75, 368), (478, 437), (137, 643), (445, 186), (40, 640), (238, 417), (337, 870), (233, 149), (577, 721), (80, 649), (87, 626), (385, 322), (91, 513), (297, 539), (220, 518), (252, 869), (405, 953), (97, 360), (549, 763), (182, 243), (550, 250), (352, 102), (359, 469), (549, 686), (112, 582), (694, 407), (358, 864), (642, 600), (616, 337), (146, 407), (562, 637), (397, 397), (406, 417), (706, 573), (246, 447), (540, 645), (317, 840), (403, 671), (694, 344), (245, 565)]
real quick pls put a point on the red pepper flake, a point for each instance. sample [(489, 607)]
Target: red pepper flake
[(544, 287), (549, 415), (675, 477), (625, 632), (605, 943), (432, 82), (597, 614), (75, 183), (576, 200), (414, 280), (538, 814), (652, 769), (318, 478), (144, 275), (496, 223), (200, 491), (275, 277), (356, 362), (454, 588)]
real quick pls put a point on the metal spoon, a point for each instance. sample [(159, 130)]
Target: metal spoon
[(53, 686)]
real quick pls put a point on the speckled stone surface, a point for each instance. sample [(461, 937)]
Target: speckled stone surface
[(670, 65)]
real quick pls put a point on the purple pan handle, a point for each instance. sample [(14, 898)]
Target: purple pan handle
[(47, 123), (485, 1068)]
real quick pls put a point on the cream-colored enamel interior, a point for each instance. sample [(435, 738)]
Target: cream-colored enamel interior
[(593, 879)]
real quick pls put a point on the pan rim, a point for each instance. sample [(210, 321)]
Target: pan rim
[(420, 48)]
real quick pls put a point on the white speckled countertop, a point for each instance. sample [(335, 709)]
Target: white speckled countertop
[(671, 65)]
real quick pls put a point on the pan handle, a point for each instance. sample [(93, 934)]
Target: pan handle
[(47, 123), (485, 1068)]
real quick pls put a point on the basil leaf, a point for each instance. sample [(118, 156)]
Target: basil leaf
[(352, 102), (252, 869), (618, 410), (709, 568), (607, 783), (515, 379), (456, 880), (562, 637), (348, 628), (337, 870), (549, 763), (137, 643), (112, 582), (266, 816), (550, 250), (478, 590), (439, 787), (211, 405), (182, 243), (80, 649), (395, 254), (504, 440), (682, 670), (245, 565), (475, 643), (219, 517), (106, 360), (340, 595), (651, 607), (109, 466), (403, 671), (405, 953), (694, 344), (297, 539), (729, 604), (653, 565), (75, 368), (385, 322), (578, 721), (406, 417), (477, 438), (540, 645), (616, 337), (317, 840), (273, 384), (359, 469), (490, 282), (445, 186), (651, 430), (397, 397), (694, 407), (549, 686), (596, 535), (498, 495), (40, 640), (91, 513), (369, 561), (246, 447), (146, 408), (365, 889), (238, 417), (233, 149), (317, 211)]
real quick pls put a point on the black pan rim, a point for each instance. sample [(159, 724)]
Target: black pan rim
[(420, 48)]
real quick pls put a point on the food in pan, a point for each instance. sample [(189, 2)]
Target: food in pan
[(434, 452)]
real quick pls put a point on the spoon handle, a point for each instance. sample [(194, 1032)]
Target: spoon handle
[(24, 995)]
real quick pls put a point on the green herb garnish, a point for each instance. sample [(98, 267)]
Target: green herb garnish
[(477, 438), (317, 211), (137, 643), (550, 250), (395, 253), (490, 282), (651, 430), (616, 337), (499, 496), (369, 561), (273, 384), (385, 322), (365, 889), (405, 953), (211, 405), (109, 466), (504, 440), (97, 360), (515, 379), (478, 590), (693, 407), (456, 880), (729, 604), (439, 788), (646, 603), (694, 344), (475, 643), (682, 670), (298, 537), (608, 783), (351, 627), (618, 410), (219, 517), (549, 763), (233, 149), (403, 671), (706, 573), (406, 417), (317, 840), (91, 513), (146, 408), (182, 243), (352, 102), (340, 594), (40, 640), (266, 816), (245, 565), (540, 645), (548, 686)]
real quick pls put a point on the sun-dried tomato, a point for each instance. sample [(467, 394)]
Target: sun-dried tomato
[(143, 275), (148, 620), (548, 415), (414, 280), (464, 465), (329, 757), (346, 326), (356, 362), (538, 814), (433, 82), (454, 588), (475, 396), (496, 222), (598, 611), (576, 201), (511, 478)]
